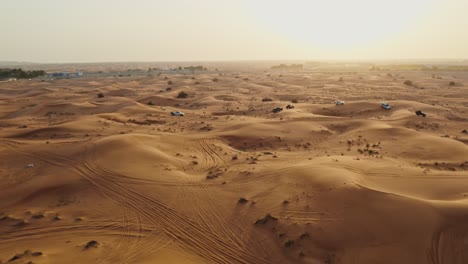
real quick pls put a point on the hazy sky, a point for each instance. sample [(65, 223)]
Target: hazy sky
[(152, 30)]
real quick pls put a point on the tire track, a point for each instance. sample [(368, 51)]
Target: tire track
[(433, 253), (104, 227), (178, 227), (200, 197)]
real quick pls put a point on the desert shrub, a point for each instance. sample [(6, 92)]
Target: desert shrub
[(182, 94), (169, 82), (91, 244), (243, 200), (100, 95), (289, 243), (294, 101), (304, 236), (267, 99), (168, 88), (452, 83), (408, 82), (215, 80), (267, 218)]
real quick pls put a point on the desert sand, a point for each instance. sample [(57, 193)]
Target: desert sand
[(117, 179)]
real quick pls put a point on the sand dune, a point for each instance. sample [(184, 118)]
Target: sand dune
[(117, 179)]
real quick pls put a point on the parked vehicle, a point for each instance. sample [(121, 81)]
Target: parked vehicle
[(420, 113), (339, 102), (277, 110), (385, 106), (177, 113)]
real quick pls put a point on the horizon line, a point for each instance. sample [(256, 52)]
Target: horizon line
[(241, 60)]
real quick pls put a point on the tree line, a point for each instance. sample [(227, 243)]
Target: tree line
[(20, 74)]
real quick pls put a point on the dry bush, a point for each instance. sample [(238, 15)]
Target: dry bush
[(267, 218), (182, 94), (408, 82), (243, 200)]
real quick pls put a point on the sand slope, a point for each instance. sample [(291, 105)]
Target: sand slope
[(119, 180)]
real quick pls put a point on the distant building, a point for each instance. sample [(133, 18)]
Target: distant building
[(66, 74)]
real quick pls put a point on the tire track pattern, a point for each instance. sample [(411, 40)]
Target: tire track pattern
[(177, 227)]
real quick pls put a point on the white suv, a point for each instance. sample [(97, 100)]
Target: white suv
[(177, 113)]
